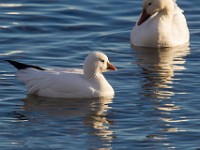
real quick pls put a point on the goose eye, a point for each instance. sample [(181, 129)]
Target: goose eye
[(102, 60), (150, 4)]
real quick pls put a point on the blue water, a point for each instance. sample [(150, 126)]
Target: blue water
[(156, 106)]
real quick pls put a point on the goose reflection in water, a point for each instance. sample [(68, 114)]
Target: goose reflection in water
[(158, 74), (91, 112), (158, 68)]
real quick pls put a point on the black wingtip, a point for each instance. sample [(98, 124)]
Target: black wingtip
[(21, 66)]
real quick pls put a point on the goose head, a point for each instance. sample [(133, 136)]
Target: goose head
[(96, 63), (150, 7)]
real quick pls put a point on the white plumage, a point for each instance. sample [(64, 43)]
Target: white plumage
[(86, 83), (161, 24)]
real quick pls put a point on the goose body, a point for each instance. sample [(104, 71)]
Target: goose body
[(161, 24), (77, 83)]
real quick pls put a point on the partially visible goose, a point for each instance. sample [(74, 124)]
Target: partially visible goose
[(88, 83), (161, 24)]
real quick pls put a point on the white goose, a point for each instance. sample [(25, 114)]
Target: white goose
[(161, 24), (87, 83)]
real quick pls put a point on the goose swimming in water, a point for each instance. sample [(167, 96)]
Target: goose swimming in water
[(86, 83), (161, 24)]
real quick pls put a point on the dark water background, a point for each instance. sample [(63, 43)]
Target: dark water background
[(157, 91)]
